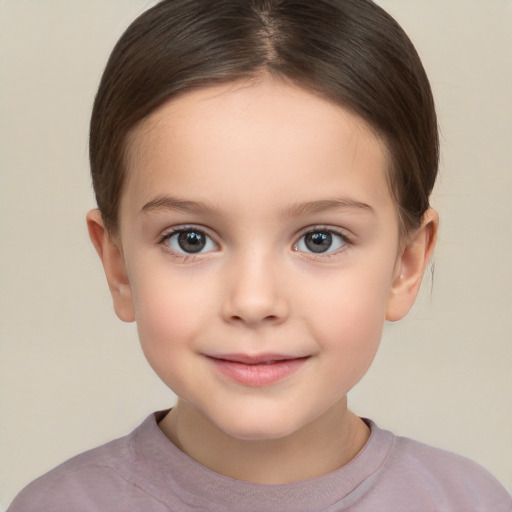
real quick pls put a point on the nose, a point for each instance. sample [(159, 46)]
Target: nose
[(254, 293)]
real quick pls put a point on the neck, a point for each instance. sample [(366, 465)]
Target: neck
[(324, 445)]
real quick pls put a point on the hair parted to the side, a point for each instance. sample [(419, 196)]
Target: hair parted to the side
[(349, 51)]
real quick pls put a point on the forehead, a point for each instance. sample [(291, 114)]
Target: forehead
[(255, 137)]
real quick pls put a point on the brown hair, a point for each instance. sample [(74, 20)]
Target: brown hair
[(350, 51)]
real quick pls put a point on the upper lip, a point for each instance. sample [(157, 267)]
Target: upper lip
[(254, 359)]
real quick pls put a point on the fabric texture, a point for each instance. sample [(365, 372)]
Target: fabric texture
[(145, 472)]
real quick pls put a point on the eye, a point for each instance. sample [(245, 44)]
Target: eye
[(320, 241), (189, 241)]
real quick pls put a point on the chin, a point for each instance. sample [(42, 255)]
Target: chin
[(260, 427)]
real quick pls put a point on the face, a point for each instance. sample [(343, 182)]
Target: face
[(260, 253)]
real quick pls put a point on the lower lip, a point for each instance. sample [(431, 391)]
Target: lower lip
[(258, 375)]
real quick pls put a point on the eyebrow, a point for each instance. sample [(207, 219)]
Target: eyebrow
[(180, 205), (327, 204), (307, 208)]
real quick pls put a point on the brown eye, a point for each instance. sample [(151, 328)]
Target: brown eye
[(321, 241), (190, 241)]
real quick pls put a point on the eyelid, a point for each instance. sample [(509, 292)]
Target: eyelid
[(174, 230), (343, 232), (185, 227), (337, 231)]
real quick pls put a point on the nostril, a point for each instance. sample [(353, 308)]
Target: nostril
[(247, 320)]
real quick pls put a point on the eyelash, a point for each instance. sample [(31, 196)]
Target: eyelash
[(345, 240), (164, 239)]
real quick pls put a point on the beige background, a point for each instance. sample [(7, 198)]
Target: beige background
[(73, 376)]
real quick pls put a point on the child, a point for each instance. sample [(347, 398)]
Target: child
[(263, 170)]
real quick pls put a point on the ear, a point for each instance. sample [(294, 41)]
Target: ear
[(113, 263), (411, 264)]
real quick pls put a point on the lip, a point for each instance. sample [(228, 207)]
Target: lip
[(257, 370)]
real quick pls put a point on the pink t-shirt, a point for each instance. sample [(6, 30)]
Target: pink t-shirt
[(145, 472)]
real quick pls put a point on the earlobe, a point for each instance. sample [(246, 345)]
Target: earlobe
[(411, 265), (113, 264)]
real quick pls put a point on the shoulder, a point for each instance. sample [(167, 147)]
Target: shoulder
[(443, 480), (83, 477), (96, 480)]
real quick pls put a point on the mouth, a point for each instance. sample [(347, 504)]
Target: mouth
[(257, 370)]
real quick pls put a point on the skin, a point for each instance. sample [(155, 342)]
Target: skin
[(255, 166)]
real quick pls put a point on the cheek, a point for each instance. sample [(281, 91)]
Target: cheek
[(348, 317), (349, 337), (168, 329), (170, 311)]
